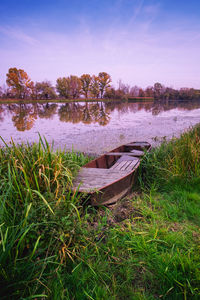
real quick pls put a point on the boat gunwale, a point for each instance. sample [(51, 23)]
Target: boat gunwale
[(104, 154)]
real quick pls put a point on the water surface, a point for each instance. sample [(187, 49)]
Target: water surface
[(96, 127)]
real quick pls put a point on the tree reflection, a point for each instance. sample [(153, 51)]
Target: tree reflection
[(70, 112), (94, 111), (47, 111), (24, 117), (86, 116), (87, 113), (1, 112), (104, 116)]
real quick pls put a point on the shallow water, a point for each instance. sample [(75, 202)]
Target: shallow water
[(96, 127)]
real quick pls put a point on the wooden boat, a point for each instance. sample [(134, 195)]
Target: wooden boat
[(110, 177)]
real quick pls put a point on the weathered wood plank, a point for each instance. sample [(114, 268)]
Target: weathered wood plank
[(128, 158), (119, 165), (124, 165), (120, 154), (131, 165), (138, 144), (95, 178), (137, 152)]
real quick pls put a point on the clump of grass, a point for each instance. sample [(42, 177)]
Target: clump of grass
[(176, 160), (36, 204)]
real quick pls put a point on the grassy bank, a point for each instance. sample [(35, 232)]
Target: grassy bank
[(145, 247)]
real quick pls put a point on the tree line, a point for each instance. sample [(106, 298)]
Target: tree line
[(20, 86)]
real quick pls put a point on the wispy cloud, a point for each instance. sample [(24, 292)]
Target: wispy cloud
[(136, 10), (152, 9), (18, 34)]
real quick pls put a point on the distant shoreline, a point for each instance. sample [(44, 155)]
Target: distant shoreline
[(24, 101)]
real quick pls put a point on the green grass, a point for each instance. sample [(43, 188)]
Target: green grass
[(145, 247), (35, 198)]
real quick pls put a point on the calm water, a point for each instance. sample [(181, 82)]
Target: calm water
[(96, 127)]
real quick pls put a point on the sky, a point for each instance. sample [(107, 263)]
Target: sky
[(137, 41)]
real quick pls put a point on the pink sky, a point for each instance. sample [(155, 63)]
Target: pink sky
[(139, 42)]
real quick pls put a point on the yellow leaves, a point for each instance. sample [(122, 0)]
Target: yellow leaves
[(104, 82), (19, 81)]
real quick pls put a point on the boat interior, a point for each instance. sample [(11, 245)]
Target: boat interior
[(121, 158), (110, 167)]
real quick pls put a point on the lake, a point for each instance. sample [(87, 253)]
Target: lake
[(96, 127)]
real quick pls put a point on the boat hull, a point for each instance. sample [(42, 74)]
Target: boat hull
[(115, 191), (111, 176)]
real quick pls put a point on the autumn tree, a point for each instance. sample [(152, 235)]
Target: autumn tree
[(85, 84), (158, 90), (19, 82), (187, 93), (1, 92), (104, 82), (69, 87), (149, 92), (110, 93), (141, 93), (75, 86), (63, 87), (44, 90), (134, 91), (94, 86)]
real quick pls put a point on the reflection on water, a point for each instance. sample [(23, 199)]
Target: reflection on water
[(60, 121)]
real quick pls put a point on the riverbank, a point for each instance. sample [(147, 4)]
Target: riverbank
[(144, 247), (24, 101)]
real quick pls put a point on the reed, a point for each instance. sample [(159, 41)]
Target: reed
[(176, 160), (35, 184)]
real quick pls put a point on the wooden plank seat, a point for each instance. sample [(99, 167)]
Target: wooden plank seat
[(120, 154), (125, 163), (92, 179), (138, 144), (137, 152)]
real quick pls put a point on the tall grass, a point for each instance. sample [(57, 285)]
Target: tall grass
[(177, 160), (35, 198)]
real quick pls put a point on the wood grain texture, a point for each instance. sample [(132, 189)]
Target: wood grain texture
[(120, 154), (124, 165), (137, 153), (91, 179)]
